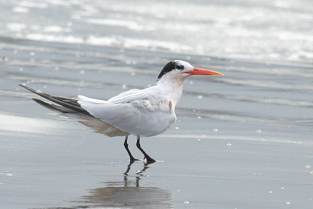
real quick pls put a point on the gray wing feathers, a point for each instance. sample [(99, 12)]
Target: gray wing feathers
[(142, 117)]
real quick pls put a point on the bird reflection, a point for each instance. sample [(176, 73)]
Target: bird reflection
[(128, 193), (145, 167)]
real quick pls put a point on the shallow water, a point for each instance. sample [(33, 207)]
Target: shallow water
[(243, 140)]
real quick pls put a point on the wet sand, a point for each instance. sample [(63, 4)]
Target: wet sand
[(243, 140)]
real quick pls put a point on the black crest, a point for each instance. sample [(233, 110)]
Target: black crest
[(169, 67)]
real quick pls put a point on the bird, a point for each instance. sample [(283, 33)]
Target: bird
[(140, 112)]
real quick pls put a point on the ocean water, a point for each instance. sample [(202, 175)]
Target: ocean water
[(242, 140)]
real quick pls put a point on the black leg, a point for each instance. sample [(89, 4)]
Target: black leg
[(128, 168), (131, 157), (149, 159)]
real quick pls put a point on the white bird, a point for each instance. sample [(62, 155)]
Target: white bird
[(146, 112)]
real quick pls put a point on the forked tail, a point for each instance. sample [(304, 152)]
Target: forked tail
[(67, 105)]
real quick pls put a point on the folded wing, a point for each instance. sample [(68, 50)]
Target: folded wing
[(138, 112)]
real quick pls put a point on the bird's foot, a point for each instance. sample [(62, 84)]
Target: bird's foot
[(132, 160), (149, 160)]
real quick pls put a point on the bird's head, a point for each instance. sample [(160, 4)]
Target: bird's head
[(180, 70)]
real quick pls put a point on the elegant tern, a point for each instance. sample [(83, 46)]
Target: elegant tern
[(146, 112)]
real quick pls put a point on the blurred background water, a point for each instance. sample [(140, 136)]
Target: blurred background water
[(243, 140)]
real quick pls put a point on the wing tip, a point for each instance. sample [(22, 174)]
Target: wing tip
[(28, 88)]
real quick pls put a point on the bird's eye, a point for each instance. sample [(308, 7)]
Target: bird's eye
[(179, 67)]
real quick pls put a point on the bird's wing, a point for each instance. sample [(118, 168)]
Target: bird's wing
[(134, 94), (122, 97), (139, 112)]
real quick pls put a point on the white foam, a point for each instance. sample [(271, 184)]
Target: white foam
[(132, 25), (36, 4), (55, 38), (56, 28), (262, 31), (137, 43), (16, 26), (20, 9)]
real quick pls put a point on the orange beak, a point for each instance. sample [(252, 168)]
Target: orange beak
[(198, 71)]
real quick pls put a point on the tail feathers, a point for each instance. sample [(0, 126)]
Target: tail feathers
[(54, 107), (67, 105)]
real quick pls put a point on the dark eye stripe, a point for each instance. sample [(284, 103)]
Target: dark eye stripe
[(169, 67)]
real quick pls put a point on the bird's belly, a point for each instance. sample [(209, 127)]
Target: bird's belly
[(150, 124)]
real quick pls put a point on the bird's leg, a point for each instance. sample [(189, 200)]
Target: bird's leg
[(131, 157), (149, 159)]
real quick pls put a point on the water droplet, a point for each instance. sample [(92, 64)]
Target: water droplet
[(199, 117), (288, 203), (199, 139), (215, 130), (82, 72), (176, 127), (124, 86), (282, 188), (21, 69), (229, 144), (307, 166), (199, 97), (191, 82), (133, 73), (258, 131), (270, 192), (186, 202), (9, 174)]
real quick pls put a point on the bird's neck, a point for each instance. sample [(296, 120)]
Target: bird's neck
[(172, 89)]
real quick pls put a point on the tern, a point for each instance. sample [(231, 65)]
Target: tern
[(143, 113)]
